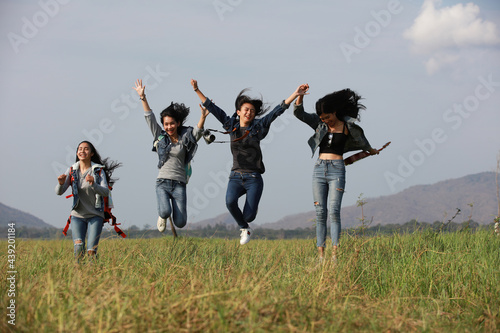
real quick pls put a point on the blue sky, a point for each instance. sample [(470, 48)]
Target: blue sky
[(428, 71)]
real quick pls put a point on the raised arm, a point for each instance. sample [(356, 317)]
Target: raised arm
[(141, 90), (279, 109), (211, 107), (299, 92), (310, 119), (300, 99), (149, 115), (198, 92), (204, 114)]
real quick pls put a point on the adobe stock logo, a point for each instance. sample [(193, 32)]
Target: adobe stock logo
[(454, 118), (31, 27), (223, 6), (363, 37)]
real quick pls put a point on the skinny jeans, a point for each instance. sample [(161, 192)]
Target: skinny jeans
[(328, 184), (172, 200), (241, 183)]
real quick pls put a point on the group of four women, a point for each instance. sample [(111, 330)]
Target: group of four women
[(335, 133)]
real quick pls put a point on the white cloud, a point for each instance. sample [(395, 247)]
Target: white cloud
[(440, 32)]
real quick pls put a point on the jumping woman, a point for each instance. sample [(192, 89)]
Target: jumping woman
[(246, 131), (335, 133), (176, 145)]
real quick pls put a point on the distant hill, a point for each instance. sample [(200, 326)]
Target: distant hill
[(22, 219), (224, 219), (424, 203)]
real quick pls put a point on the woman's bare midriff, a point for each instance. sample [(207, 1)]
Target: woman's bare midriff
[(325, 156)]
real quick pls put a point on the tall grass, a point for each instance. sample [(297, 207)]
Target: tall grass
[(425, 282)]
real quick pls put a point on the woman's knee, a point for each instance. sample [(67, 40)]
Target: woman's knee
[(249, 217), (231, 203), (180, 222), (320, 209), (164, 212)]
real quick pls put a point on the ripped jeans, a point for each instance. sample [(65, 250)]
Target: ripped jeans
[(328, 179), (90, 227)]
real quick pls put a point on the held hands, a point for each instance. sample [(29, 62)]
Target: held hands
[(299, 92), (140, 88), (302, 90)]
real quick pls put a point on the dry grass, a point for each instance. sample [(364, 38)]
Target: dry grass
[(423, 282)]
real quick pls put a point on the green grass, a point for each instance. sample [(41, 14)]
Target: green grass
[(420, 282)]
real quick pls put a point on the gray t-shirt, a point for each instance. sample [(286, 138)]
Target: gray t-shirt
[(174, 167), (86, 193)]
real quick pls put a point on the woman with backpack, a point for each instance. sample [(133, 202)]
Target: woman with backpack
[(176, 145), (90, 181), (335, 133), (246, 131)]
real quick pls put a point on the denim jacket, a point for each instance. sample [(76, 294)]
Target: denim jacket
[(259, 128), (100, 185), (162, 145), (356, 139)]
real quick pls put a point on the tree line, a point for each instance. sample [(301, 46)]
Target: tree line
[(229, 232)]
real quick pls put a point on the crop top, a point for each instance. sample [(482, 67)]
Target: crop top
[(333, 143)]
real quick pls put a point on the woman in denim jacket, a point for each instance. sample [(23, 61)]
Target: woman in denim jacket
[(335, 134), (246, 132), (176, 145), (90, 181)]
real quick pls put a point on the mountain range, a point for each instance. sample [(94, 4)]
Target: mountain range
[(474, 195), (20, 218)]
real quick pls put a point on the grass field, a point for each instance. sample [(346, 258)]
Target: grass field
[(420, 282)]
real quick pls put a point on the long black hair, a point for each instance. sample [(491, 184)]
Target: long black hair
[(178, 111), (343, 102), (109, 166), (258, 104)]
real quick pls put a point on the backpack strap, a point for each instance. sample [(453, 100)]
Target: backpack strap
[(65, 230), (109, 216), (107, 212)]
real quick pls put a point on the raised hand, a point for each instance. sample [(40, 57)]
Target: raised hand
[(302, 89), (194, 84), (139, 88), (204, 111)]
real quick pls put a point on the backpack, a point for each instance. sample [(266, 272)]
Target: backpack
[(107, 211)]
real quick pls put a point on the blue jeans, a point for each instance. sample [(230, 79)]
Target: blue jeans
[(90, 227), (241, 183), (328, 179), (172, 199)]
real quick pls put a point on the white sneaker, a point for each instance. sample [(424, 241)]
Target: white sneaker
[(245, 235), (161, 224)]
